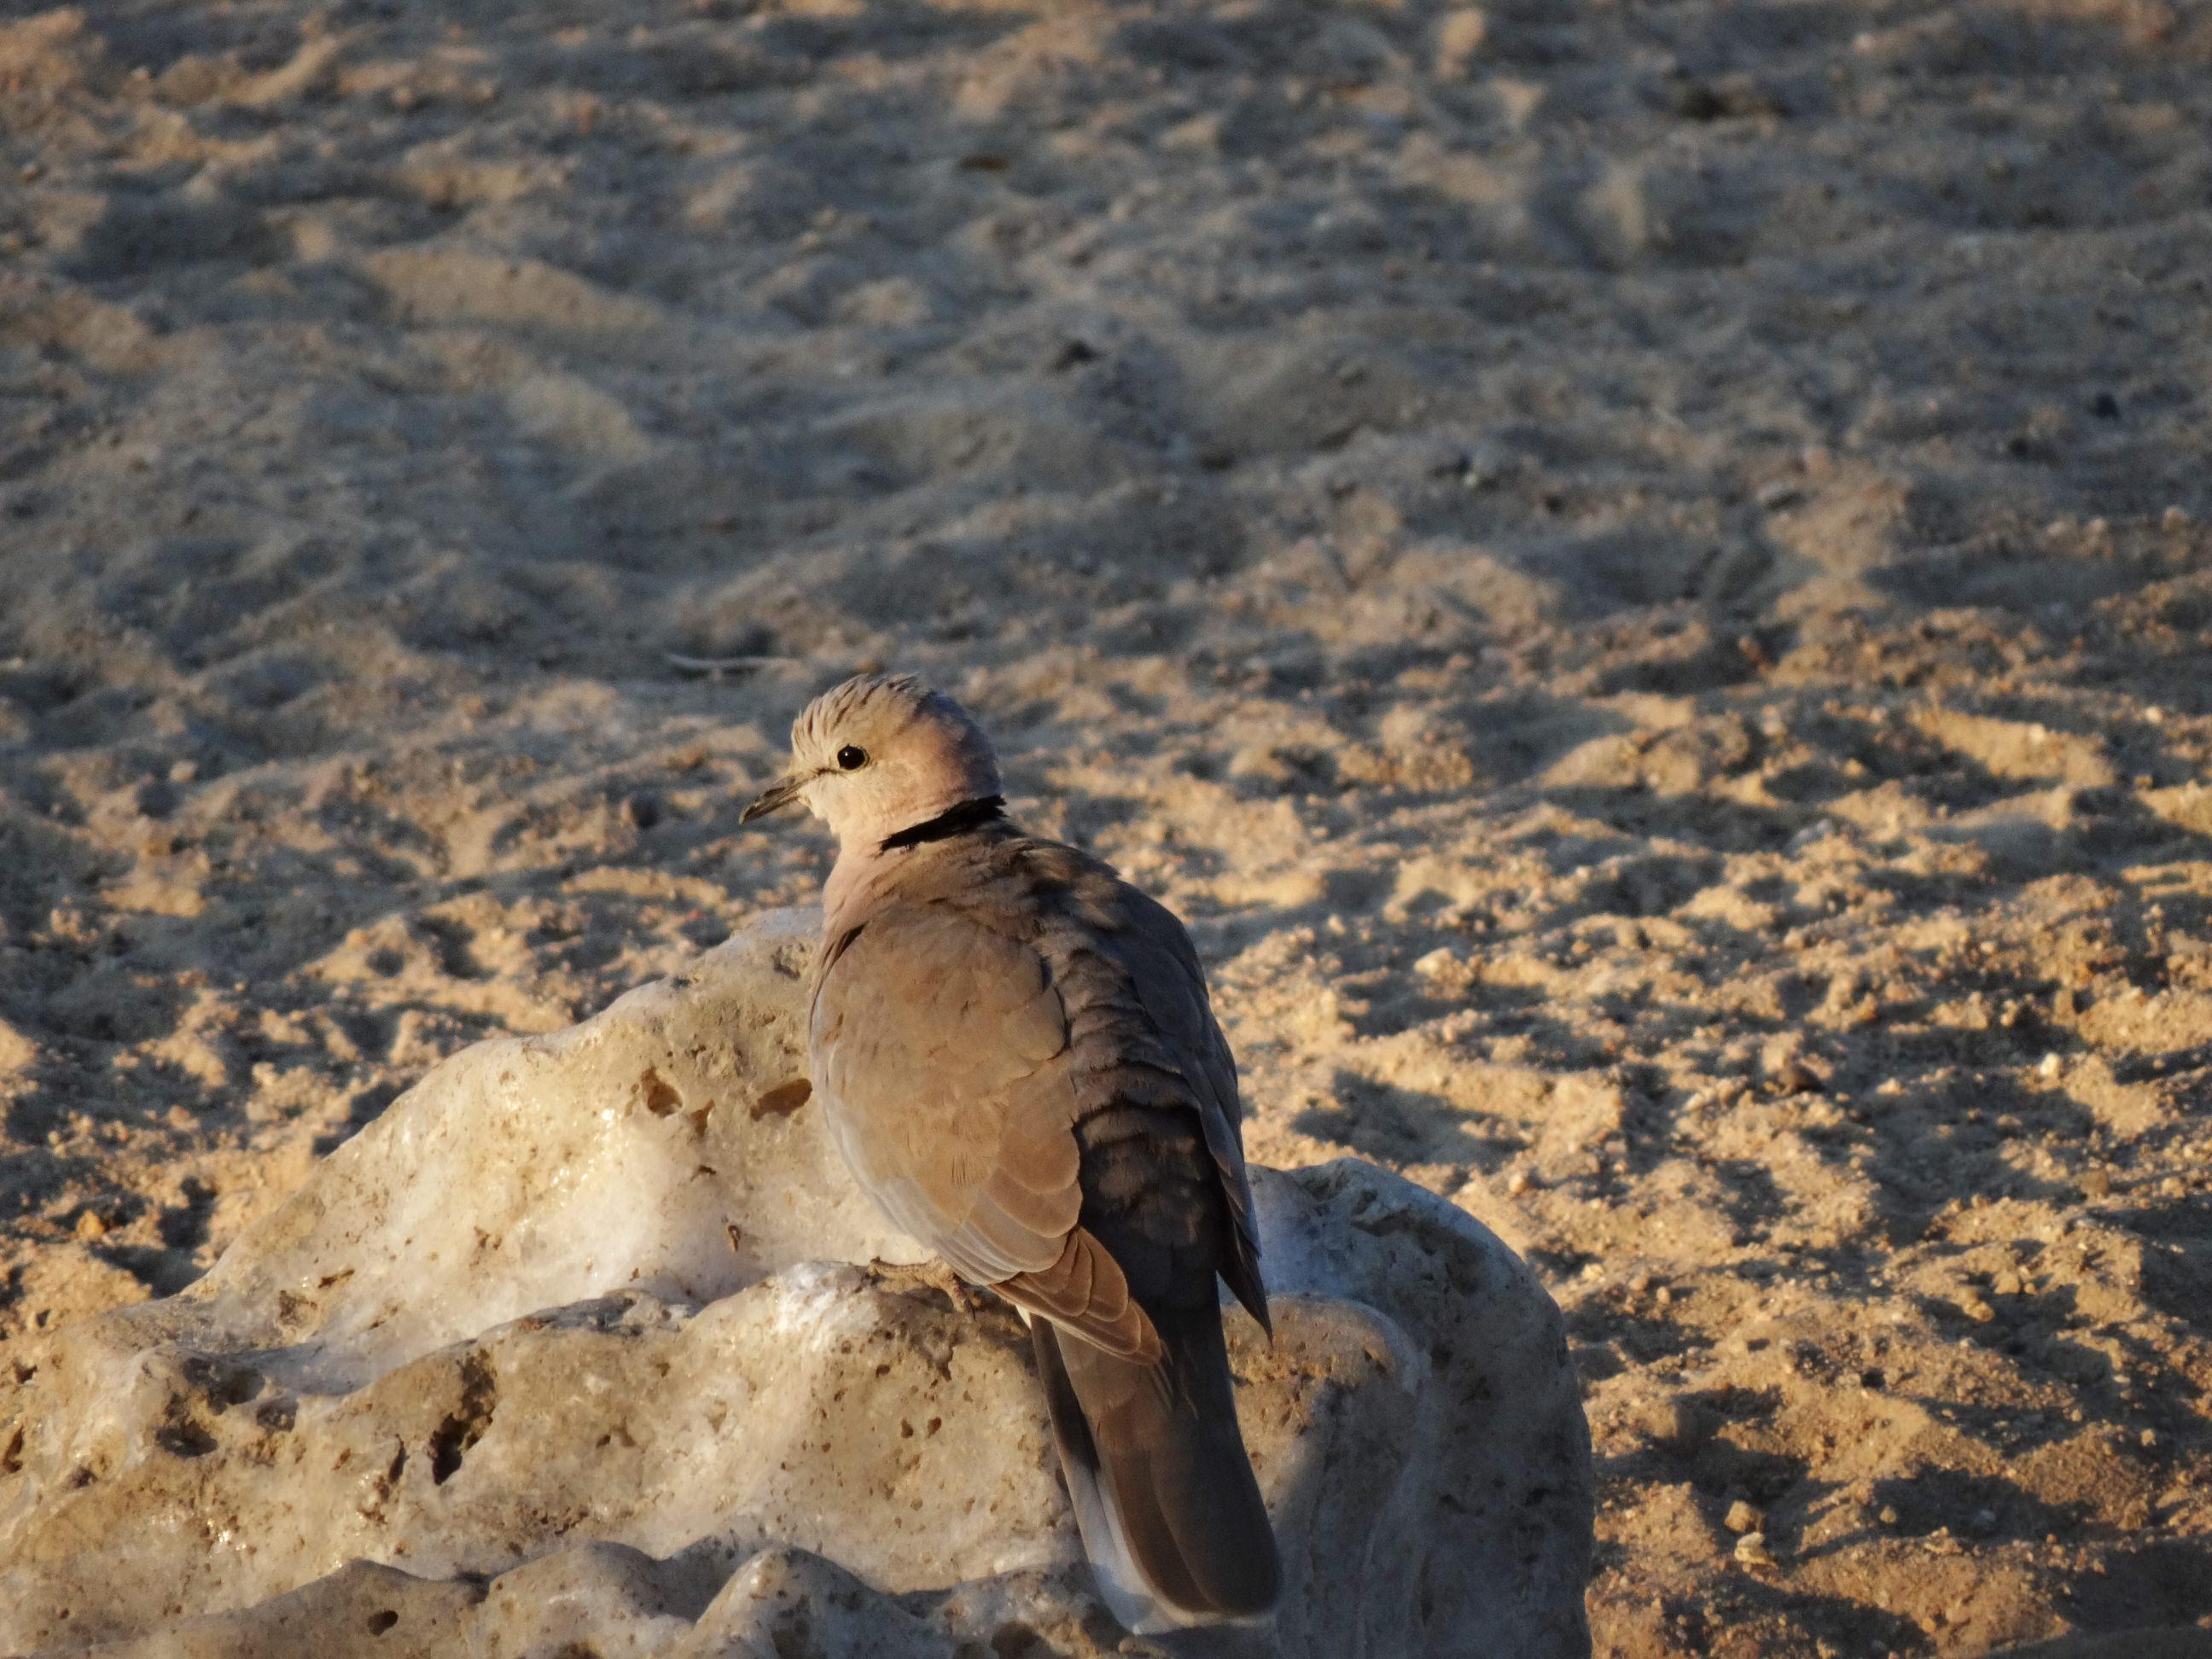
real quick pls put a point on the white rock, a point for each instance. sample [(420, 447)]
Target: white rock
[(582, 1338)]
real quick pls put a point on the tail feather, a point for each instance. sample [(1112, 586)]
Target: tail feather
[(1163, 1492)]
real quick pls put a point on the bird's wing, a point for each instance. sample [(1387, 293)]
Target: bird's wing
[(1153, 950), (940, 1046)]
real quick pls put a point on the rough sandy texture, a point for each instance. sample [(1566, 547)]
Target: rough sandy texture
[(1639, 572)]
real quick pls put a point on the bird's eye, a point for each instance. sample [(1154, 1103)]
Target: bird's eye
[(852, 759)]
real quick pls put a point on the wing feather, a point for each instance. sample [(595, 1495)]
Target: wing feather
[(1084, 1292), (939, 1045)]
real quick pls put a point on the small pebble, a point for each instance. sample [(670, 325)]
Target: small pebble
[(1742, 1518), (1751, 1550), (1674, 1425)]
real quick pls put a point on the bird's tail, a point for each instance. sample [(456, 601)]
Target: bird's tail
[(1163, 1490)]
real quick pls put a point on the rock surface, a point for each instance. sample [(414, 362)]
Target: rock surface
[(589, 1340)]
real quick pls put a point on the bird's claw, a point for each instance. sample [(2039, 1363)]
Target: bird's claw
[(935, 1275)]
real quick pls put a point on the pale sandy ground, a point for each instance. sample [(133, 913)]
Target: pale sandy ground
[(1639, 572)]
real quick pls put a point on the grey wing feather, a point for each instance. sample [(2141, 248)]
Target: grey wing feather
[(1157, 950)]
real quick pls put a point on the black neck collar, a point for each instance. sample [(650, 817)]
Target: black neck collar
[(956, 821)]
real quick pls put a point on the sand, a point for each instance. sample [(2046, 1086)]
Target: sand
[(1639, 573)]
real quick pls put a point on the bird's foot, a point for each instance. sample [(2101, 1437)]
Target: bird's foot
[(933, 1275), (958, 1290)]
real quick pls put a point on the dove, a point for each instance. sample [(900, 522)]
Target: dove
[(1015, 1054)]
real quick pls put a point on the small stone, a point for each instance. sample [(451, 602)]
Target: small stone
[(2006, 1283), (1751, 1550), (2048, 1068), (1888, 1515), (184, 771), (1976, 1310), (1674, 1424), (2098, 1183), (1742, 1518), (2149, 1439), (90, 1228), (1519, 1182), (1259, 760), (1459, 38), (1437, 964)]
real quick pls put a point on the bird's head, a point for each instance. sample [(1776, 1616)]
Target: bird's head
[(879, 755)]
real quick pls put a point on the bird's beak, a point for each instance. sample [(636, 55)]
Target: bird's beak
[(781, 794)]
